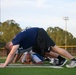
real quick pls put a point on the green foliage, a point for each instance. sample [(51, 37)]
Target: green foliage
[(9, 29), (58, 35)]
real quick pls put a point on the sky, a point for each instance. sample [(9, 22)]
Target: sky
[(40, 13)]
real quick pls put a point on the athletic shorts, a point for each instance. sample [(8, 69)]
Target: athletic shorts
[(43, 43)]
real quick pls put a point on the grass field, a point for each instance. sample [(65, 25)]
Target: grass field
[(36, 70)]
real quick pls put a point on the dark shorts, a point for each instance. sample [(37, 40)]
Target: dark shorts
[(43, 42)]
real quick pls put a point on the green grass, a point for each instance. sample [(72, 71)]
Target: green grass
[(36, 71)]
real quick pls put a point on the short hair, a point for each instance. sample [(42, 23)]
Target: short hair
[(7, 48)]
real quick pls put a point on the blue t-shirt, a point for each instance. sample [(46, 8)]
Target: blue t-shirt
[(26, 38)]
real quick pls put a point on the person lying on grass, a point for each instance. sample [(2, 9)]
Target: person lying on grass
[(54, 58), (29, 58)]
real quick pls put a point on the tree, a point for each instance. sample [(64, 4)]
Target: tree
[(9, 28), (58, 35)]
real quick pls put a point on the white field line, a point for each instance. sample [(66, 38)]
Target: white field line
[(32, 66)]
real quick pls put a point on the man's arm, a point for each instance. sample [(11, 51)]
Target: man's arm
[(17, 57), (10, 56)]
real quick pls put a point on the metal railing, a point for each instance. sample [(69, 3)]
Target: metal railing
[(71, 49)]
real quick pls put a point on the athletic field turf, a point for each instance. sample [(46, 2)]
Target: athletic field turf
[(47, 69)]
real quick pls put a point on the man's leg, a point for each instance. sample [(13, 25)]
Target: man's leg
[(58, 60), (62, 52), (66, 54)]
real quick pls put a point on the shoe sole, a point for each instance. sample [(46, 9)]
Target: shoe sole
[(70, 66)]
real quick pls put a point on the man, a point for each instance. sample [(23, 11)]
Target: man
[(57, 59), (38, 38), (27, 57)]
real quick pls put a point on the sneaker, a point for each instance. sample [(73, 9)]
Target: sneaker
[(72, 64), (61, 62), (51, 60)]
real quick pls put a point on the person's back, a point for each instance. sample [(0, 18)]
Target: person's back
[(26, 38)]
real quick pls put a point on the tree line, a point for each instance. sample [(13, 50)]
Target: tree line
[(10, 28), (58, 35)]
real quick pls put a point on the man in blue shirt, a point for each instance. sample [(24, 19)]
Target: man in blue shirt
[(39, 39)]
